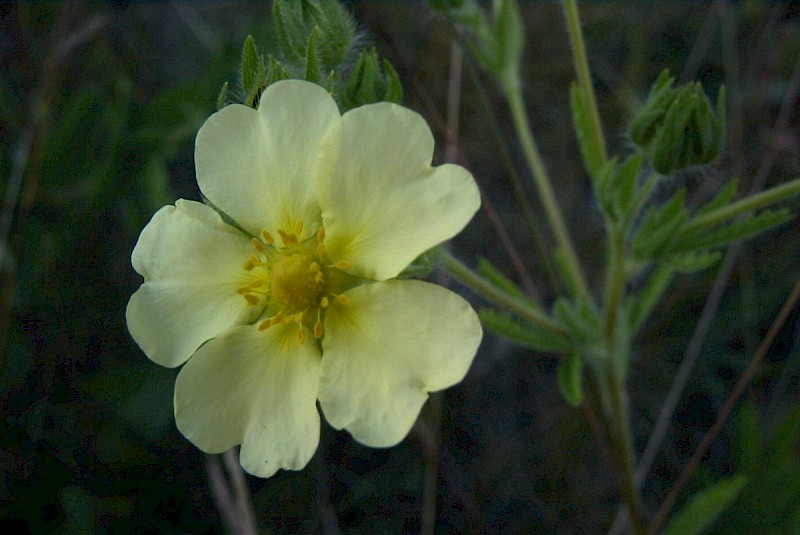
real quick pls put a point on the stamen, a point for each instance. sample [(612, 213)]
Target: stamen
[(321, 234), (320, 249), (324, 302), (287, 239), (257, 245), (298, 227), (267, 237), (343, 264), (343, 299), (298, 318), (301, 335), (251, 299), (266, 324)]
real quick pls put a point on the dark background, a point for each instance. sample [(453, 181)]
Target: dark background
[(99, 105)]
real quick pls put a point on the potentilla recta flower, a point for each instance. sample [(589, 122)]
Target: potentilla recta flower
[(292, 298)]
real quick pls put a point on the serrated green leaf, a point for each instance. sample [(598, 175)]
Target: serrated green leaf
[(694, 261), (625, 184), (578, 319), (703, 508), (524, 335), (734, 231), (723, 197), (591, 153), (660, 227), (569, 378)]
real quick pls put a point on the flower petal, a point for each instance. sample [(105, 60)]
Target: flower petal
[(192, 264), (257, 166), (254, 388), (382, 202), (382, 353)]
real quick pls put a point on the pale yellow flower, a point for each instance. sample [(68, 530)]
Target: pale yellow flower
[(305, 306)]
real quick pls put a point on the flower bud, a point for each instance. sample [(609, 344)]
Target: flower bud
[(677, 128), (369, 83)]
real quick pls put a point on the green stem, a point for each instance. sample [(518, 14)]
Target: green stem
[(542, 181), (497, 296), (748, 204), (622, 445), (584, 76)]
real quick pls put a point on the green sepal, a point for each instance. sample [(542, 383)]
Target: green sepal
[(660, 227), (253, 73), (523, 334), (222, 97), (250, 65), (422, 266), (368, 83), (275, 71), (591, 152), (312, 57), (569, 374), (703, 508)]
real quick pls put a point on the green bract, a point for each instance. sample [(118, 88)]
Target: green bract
[(304, 306)]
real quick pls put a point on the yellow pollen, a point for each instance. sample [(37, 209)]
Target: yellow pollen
[(343, 299), (264, 325), (324, 302), (301, 335), (267, 237), (320, 249), (251, 299), (321, 234), (318, 329), (343, 264)]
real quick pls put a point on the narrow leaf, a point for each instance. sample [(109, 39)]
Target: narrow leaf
[(249, 64), (704, 507), (497, 278), (524, 335), (735, 231), (590, 152)]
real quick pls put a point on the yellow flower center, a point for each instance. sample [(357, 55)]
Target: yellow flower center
[(296, 282), (291, 281)]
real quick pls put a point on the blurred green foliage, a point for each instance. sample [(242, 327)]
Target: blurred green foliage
[(99, 105)]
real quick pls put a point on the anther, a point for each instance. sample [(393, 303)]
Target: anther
[(321, 234), (320, 249), (257, 245), (298, 227), (251, 299), (287, 239), (267, 237), (251, 262), (324, 302), (318, 329), (301, 335), (343, 299), (265, 324), (343, 264)]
